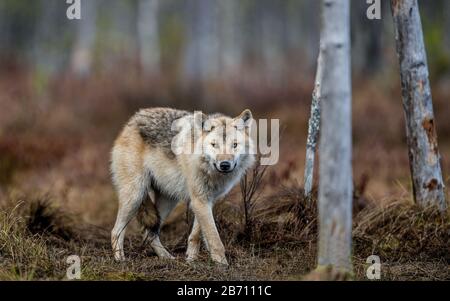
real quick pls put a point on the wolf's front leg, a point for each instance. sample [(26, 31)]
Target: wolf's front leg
[(193, 247), (203, 214)]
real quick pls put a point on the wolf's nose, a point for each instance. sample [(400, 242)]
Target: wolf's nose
[(225, 165)]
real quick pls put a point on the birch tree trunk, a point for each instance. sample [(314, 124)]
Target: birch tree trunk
[(424, 158), (335, 187), (86, 30), (149, 52), (313, 129)]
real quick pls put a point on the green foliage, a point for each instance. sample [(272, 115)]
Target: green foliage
[(437, 54)]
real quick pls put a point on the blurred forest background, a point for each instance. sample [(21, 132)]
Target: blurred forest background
[(68, 86), (91, 74)]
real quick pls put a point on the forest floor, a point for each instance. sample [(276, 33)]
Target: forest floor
[(36, 239), (56, 198)]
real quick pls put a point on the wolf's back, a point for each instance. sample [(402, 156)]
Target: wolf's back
[(155, 125)]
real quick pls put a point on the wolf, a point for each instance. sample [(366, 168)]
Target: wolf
[(164, 156)]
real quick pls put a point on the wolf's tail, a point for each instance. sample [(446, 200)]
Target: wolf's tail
[(148, 218)]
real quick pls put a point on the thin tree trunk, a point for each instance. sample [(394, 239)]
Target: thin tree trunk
[(313, 128), (366, 40), (86, 30), (202, 51), (335, 187), (44, 54), (149, 52), (231, 38), (271, 41), (424, 158), (201, 64)]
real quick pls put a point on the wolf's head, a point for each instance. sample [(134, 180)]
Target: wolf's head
[(226, 142)]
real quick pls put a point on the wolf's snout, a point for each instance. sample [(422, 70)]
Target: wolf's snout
[(225, 165)]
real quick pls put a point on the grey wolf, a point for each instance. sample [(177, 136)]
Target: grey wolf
[(154, 168)]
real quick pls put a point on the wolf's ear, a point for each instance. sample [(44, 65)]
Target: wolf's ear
[(200, 119), (245, 118)]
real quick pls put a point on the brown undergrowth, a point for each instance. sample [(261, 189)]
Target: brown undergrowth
[(36, 236)]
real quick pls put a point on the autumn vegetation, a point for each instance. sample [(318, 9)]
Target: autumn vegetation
[(56, 197)]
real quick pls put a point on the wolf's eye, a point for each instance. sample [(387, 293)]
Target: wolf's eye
[(213, 144), (235, 144)]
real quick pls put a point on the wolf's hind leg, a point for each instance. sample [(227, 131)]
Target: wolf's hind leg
[(127, 210), (157, 246), (156, 210)]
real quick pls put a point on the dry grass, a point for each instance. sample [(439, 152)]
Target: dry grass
[(36, 237), (403, 231), (35, 247)]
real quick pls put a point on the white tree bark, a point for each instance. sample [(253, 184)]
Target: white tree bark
[(313, 129), (149, 50), (424, 158), (335, 187), (86, 30)]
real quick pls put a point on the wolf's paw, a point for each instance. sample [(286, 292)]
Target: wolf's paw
[(167, 256), (220, 261), (221, 267), (164, 254), (191, 254), (191, 261), (119, 256), (191, 258)]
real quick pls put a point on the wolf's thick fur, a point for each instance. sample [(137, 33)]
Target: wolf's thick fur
[(150, 178)]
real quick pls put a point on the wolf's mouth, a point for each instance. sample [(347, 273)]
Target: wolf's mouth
[(224, 171)]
